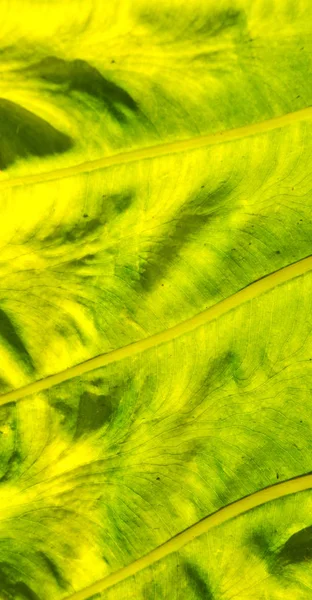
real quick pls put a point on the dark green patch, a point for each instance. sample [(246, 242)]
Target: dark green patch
[(10, 333), (13, 466), (297, 549), (197, 581), (200, 212), (66, 413), (210, 378), (75, 233), (23, 134), (83, 229), (13, 589), (54, 570), (22, 590), (97, 381), (162, 256), (259, 543), (216, 23), (93, 412), (121, 202), (4, 386), (113, 205), (79, 76), (220, 22), (87, 227)]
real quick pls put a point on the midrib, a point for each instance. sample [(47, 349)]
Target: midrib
[(162, 149), (280, 490), (253, 290)]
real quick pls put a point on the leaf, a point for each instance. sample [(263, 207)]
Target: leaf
[(265, 553), (155, 328)]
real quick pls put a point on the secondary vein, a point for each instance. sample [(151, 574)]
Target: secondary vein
[(253, 290), (280, 490), (162, 149)]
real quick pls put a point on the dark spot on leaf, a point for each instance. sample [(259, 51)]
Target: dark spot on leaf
[(298, 548), (183, 229), (164, 254), (277, 252), (120, 202), (54, 570), (74, 233), (97, 381), (197, 581), (111, 207), (65, 411), (259, 544), (10, 333), (22, 590), (13, 465), (158, 478), (79, 76), (94, 411), (23, 134), (11, 587), (79, 231), (218, 22), (277, 476)]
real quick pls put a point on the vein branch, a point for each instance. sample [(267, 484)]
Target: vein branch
[(163, 149), (255, 289), (235, 509)]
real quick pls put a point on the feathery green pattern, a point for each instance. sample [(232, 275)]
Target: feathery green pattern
[(259, 555), (102, 469)]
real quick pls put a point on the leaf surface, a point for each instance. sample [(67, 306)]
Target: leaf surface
[(155, 312)]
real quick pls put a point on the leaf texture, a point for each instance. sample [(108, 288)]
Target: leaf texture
[(155, 299)]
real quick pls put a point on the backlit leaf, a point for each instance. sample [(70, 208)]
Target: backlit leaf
[(155, 300)]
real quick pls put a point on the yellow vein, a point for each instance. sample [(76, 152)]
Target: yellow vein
[(253, 290), (162, 149), (175, 544)]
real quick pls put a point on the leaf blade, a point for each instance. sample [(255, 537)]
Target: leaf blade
[(128, 221)]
